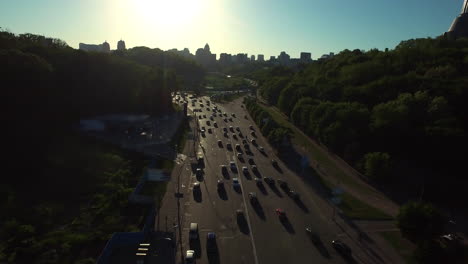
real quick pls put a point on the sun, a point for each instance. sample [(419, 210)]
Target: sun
[(172, 14)]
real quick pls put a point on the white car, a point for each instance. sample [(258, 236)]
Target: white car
[(190, 257)]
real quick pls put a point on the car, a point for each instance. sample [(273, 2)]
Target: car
[(233, 165), (225, 120), (254, 168), (246, 146), (274, 163), (239, 213), (251, 127), (208, 122), (235, 183), (193, 231), (220, 184), (342, 248), (245, 170), (202, 128), (240, 156), (251, 161), (261, 149), (200, 160), (240, 134), (225, 114), (282, 184), (229, 146), (244, 142), (259, 182), (199, 172), (220, 143), (280, 213), (215, 124), (314, 236), (238, 148), (210, 131), (230, 119), (211, 242), (269, 180), (253, 197), (237, 129), (293, 195), (190, 257), (204, 116), (252, 133), (233, 115), (196, 187), (234, 136), (224, 169), (231, 128), (254, 142), (224, 129), (225, 134)]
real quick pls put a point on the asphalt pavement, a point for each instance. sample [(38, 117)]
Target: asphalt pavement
[(260, 236)]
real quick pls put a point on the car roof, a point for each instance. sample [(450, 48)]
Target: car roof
[(211, 235)]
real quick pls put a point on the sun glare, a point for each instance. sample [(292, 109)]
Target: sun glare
[(168, 13)]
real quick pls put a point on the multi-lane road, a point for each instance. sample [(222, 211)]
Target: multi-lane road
[(259, 236)]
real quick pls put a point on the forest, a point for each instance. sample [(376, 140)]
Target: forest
[(398, 116), (62, 194)]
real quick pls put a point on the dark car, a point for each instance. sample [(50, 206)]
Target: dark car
[(342, 248), (269, 180), (211, 246), (314, 236), (274, 163), (293, 195), (251, 161), (220, 184), (280, 213)]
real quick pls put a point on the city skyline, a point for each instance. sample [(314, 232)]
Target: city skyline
[(259, 27)]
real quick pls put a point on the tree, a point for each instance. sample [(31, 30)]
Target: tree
[(377, 165), (420, 221)]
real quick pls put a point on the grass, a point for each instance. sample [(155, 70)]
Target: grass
[(356, 209), (401, 245)]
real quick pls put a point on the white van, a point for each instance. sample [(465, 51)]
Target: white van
[(193, 232)]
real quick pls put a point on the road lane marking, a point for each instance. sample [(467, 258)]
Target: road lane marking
[(247, 213)]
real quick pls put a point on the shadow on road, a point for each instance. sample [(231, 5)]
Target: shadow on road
[(275, 190), (243, 225), (197, 196), (194, 244), (213, 257), (222, 194), (301, 205), (262, 189), (288, 226), (259, 211)]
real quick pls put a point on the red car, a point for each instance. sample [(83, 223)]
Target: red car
[(280, 213)]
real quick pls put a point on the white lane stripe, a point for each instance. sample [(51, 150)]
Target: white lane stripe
[(246, 211)]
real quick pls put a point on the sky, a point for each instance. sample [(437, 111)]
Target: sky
[(233, 26)]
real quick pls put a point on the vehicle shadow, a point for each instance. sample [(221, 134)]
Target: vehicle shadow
[(197, 196), (243, 225), (222, 194), (288, 226), (275, 190), (259, 211), (213, 257), (248, 176), (322, 249), (301, 205), (195, 244), (226, 176), (262, 189)]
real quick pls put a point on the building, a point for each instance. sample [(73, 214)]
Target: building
[(260, 58), (104, 47), (121, 45), (272, 58), (225, 59), (241, 58), (306, 57), (327, 56), (459, 27), (252, 58), (284, 58), (204, 56)]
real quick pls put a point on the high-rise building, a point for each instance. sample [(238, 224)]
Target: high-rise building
[(204, 56), (252, 58), (225, 59), (306, 57), (260, 58), (104, 47), (121, 45), (283, 58), (459, 27)]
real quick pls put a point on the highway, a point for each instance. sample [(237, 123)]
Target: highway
[(262, 237)]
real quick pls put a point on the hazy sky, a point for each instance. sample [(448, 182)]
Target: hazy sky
[(233, 26)]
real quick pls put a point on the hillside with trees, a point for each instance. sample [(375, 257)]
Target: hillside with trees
[(63, 194), (398, 116)]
